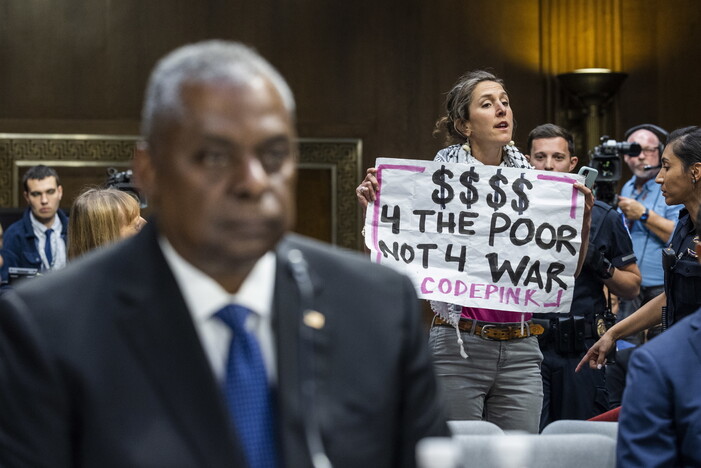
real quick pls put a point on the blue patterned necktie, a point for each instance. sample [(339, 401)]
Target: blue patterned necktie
[(247, 392), (47, 248)]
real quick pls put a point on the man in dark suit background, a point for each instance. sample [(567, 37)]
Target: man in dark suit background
[(123, 359)]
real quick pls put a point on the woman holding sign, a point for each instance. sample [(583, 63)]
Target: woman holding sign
[(487, 361)]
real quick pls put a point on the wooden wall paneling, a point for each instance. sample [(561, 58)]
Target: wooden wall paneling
[(91, 59), (679, 61), (662, 48), (463, 36), (639, 98)]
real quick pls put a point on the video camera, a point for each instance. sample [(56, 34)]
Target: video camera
[(606, 159), (123, 181)]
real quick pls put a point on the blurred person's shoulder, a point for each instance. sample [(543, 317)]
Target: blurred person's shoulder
[(85, 284)]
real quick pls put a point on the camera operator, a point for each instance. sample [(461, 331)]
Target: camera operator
[(610, 262), (649, 219)]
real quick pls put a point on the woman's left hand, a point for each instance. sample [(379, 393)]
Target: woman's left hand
[(588, 198), (586, 223)]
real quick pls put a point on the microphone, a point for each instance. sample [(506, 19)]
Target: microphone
[(310, 321), (649, 167)]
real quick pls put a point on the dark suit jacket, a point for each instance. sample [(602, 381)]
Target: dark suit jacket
[(100, 365), (660, 420)]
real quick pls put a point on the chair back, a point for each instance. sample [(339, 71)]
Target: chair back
[(534, 451), (571, 426), (436, 452), (460, 427), (516, 450)]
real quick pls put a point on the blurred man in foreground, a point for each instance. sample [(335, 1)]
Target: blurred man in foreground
[(214, 338)]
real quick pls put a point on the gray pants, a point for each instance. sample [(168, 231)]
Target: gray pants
[(499, 382)]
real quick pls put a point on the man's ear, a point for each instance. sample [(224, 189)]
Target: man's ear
[(144, 170), (59, 191), (26, 196), (573, 162)]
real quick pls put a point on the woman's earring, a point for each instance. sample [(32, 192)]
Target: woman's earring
[(511, 143), (466, 147)]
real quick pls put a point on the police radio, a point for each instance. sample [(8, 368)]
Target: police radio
[(669, 259)]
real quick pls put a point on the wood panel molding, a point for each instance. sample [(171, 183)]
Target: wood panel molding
[(341, 159)]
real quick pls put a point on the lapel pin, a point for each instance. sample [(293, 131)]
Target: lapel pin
[(314, 319)]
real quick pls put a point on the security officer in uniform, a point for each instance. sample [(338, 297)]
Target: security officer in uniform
[(679, 178), (610, 262), (682, 270)]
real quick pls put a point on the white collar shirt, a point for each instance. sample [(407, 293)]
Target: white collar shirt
[(204, 297), (58, 246)]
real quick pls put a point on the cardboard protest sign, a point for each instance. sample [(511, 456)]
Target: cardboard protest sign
[(480, 236)]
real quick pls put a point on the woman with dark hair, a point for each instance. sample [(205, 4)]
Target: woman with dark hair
[(679, 178), (481, 378)]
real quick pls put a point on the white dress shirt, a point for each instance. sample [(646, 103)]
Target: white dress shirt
[(58, 246), (204, 297)]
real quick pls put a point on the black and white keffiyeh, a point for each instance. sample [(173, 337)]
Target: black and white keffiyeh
[(511, 156)]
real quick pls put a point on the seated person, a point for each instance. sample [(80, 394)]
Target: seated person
[(38, 240), (99, 217)]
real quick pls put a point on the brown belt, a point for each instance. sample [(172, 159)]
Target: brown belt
[(490, 331)]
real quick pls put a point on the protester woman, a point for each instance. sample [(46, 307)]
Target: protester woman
[(483, 378), (99, 217), (679, 177)]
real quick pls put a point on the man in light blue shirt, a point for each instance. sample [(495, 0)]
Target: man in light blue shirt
[(650, 220)]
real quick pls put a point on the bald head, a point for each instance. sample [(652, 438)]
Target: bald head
[(649, 156)]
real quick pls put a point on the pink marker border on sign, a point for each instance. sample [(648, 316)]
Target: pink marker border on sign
[(573, 205)]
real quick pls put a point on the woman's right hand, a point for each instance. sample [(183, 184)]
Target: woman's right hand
[(367, 190), (596, 355)]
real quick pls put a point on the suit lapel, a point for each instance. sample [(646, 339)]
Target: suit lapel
[(159, 328)]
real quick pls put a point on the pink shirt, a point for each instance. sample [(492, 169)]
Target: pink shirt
[(491, 315)]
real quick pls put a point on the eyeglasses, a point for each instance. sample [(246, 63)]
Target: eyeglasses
[(650, 150)]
